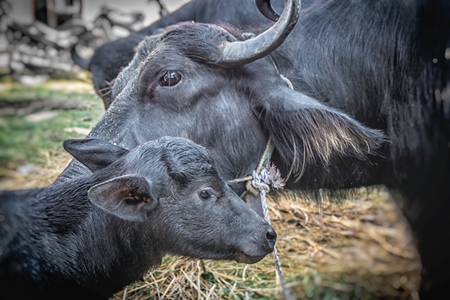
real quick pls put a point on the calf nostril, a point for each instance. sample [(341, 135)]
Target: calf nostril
[(271, 235)]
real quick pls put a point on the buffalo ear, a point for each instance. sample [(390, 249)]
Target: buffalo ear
[(306, 132), (95, 154), (128, 197)]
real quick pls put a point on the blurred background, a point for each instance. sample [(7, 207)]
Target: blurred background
[(37, 36)]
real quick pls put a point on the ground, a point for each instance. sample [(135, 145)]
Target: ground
[(360, 249)]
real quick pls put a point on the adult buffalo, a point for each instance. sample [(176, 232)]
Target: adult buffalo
[(366, 100)]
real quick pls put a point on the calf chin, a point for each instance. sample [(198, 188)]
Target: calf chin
[(262, 244), (243, 258)]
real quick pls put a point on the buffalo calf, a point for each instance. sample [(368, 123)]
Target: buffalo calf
[(93, 235)]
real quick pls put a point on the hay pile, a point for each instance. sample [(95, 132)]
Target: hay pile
[(360, 249)]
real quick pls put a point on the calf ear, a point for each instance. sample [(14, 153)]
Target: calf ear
[(95, 154), (305, 131), (129, 197)]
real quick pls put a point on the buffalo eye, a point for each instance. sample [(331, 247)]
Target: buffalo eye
[(170, 78), (206, 193)]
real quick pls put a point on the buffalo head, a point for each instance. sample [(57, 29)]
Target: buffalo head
[(214, 85)]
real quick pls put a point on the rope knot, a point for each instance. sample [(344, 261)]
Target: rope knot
[(265, 179), (260, 181)]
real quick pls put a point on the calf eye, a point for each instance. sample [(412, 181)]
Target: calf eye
[(206, 193), (170, 78)]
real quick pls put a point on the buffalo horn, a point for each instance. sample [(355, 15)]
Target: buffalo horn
[(243, 52), (265, 7)]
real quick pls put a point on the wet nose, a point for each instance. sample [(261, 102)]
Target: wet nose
[(271, 237)]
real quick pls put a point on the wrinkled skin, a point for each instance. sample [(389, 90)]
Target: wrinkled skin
[(369, 106), (93, 235)]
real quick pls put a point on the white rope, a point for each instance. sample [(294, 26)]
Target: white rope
[(262, 182)]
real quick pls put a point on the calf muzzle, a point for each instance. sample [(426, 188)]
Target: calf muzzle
[(262, 244)]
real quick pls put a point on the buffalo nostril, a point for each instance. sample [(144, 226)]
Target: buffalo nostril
[(271, 235)]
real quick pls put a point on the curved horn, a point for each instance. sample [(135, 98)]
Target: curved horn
[(265, 7), (244, 52)]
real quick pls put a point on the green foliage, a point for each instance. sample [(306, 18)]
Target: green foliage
[(22, 140)]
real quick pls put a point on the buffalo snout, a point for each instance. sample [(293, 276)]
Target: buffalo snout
[(262, 243)]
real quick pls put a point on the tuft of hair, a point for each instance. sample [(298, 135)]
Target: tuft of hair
[(310, 136)]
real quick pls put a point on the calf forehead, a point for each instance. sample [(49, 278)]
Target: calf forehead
[(188, 159), (176, 155)]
